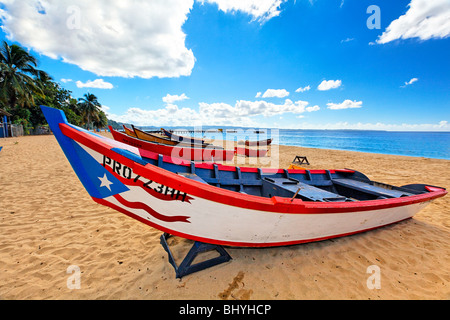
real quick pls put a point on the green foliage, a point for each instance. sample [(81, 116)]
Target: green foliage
[(115, 125), (23, 88)]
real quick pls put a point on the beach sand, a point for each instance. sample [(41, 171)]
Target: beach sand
[(48, 223)]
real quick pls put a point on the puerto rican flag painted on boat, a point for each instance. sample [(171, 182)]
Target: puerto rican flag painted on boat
[(116, 181)]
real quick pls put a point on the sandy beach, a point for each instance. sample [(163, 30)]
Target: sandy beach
[(48, 223)]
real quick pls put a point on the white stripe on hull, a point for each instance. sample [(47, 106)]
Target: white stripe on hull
[(216, 221)]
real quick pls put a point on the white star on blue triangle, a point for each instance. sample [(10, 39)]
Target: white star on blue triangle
[(105, 182)]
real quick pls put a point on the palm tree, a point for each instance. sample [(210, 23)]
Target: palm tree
[(102, 120), (17, 68), (90, 108)]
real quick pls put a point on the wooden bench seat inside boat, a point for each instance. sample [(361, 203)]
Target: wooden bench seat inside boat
[(289, 187), (374, 189), (195, 177)]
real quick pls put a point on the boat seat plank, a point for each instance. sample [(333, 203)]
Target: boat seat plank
[(370, 188), (290, 187)]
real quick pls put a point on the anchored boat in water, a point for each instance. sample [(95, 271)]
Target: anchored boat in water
[(228, 205)]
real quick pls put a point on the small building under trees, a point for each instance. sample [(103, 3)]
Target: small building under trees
[(5, 131)]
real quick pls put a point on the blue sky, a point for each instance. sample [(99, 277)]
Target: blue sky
[(263, 63)]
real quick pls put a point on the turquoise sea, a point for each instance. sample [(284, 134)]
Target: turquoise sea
[(417, 144)]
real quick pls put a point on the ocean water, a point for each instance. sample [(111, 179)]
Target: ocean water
[(417, 144)]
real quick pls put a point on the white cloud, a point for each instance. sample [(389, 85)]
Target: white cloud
[(410, 82), (307, 88), (260, 10), (98, 84), (275, 93), (258, 95), (172, 98), (347, 104), (244, 108), (347, 40), (169, 115), (241, 114), (330, 84), (314, 108), (424, 19), (107, 37), (66, 80)]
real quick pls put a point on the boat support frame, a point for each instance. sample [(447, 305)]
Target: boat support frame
[(186, 267)]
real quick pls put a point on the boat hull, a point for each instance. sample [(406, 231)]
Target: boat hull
[(129, 132), (117, 175), (258, 143), (251, 152), (152, 138)]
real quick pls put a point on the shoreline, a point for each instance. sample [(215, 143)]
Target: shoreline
[(387, 154), (49, 223)]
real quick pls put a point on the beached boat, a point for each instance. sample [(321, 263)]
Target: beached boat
[(153, 138), (210, 153), (129, 131), (249, 143), (232, 206), (258, 143), (251, 152), (188, 140)]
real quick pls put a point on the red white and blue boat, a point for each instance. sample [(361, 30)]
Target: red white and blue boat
[(233, 206)]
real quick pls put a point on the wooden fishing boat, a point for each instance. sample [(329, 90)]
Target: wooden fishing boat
[(258, 143), (129, 131), (188, 140), (232, 206), (153, 138), (210, 153), (251, 152)]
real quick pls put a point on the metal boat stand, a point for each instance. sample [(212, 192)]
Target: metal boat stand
[(186, 267)]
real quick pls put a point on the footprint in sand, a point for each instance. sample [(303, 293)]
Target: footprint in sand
[(235, 291)]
